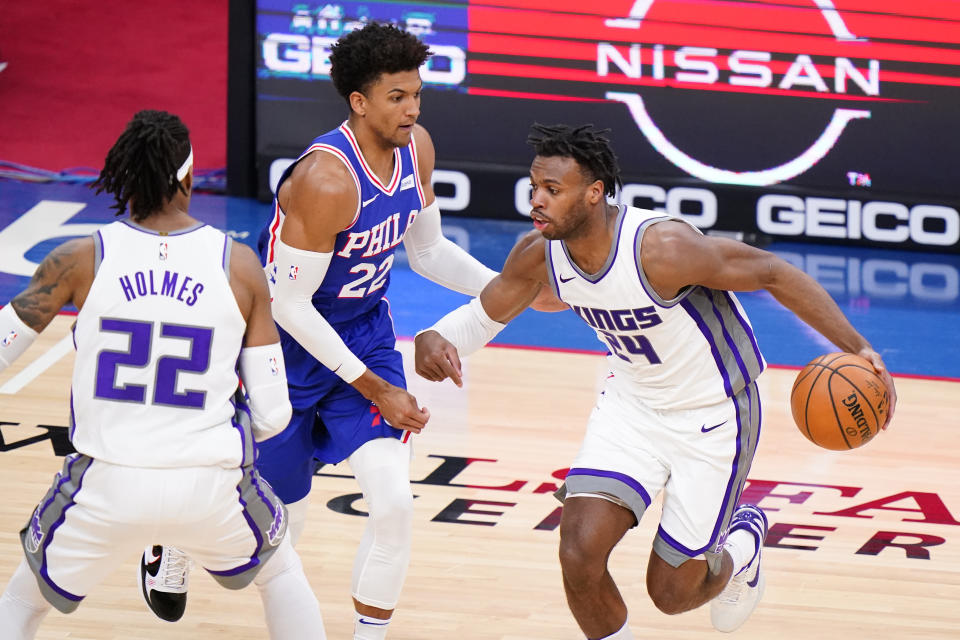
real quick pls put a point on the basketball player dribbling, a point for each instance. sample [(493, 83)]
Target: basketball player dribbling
[(169, 310), (680, 411)]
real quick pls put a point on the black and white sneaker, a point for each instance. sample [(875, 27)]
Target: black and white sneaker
[(164, 572)]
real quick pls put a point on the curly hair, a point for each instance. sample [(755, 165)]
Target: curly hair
[(358, 58), (140, 169), (588, 146)]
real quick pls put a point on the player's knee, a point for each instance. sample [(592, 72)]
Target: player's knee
[(398, 505), (668, 588), (282, 560), (668, 598), (581, 559), (394, 515)]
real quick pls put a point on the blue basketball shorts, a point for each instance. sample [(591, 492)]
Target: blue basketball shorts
[(330, 419)]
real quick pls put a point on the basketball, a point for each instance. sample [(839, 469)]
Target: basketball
[(839, 402)]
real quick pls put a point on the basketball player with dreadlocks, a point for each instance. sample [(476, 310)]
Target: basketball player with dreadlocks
[(171, 315), (680, 410), (341, 211)]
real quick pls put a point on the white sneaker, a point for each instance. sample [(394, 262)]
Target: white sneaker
[(731, 608)]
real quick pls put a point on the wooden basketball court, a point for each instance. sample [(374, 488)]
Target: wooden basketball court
[(863, 544)]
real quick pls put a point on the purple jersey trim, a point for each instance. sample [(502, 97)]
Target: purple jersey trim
[(647, 287), (179, 232), (625, 479), (248, 450), (611, 257), (730, 343), (97, 251), (255, 556), (714, 351), (746, 329), (225, 259), (53, 528), (726, 494), (73, 415), (551, 275)]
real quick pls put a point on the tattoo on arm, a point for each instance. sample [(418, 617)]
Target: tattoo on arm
[(49, 290)]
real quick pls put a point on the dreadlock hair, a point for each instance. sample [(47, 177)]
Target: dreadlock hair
[(358, 58), (588, 146), (141, 166)]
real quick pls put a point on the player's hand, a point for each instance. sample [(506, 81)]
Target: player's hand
[(547, 300), (400, 409), (437, 359), (874, 358)]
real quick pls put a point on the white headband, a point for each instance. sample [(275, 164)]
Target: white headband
[(185, 167)]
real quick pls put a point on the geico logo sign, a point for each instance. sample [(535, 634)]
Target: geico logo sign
[(927, 224), (696, 206), (879, 278), (301, 54)]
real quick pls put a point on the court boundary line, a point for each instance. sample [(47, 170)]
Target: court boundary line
[(38, 366)]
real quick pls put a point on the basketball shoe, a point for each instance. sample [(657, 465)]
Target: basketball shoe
[(740, 597), (164, 574)]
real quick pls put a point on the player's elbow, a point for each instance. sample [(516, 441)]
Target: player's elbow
[(419, 255), (414, 260), (271, 420), (282, 312), (774, 272), (267, 397)]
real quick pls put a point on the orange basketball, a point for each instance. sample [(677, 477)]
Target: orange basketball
[(839, 402)]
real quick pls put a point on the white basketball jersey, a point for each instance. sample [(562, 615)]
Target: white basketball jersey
[(157, 345), (692, 351)]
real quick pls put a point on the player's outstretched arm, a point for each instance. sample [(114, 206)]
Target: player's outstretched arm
[(249, 284), (320, 199), (262, 367), (469, 327), (64, 276), (675, 256)]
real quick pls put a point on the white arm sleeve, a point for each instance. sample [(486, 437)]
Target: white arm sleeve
[(299, 274), (468, 327), (15, 336), (264, 377), (435, 257)]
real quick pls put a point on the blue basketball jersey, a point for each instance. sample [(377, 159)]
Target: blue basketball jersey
[(359, 272)]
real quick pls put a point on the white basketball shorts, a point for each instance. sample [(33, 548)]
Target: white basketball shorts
[(699, 458), (97, 515)]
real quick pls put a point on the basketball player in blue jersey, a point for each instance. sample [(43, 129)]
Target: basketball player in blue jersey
[(341, 211), (170, 312), (680, 411)]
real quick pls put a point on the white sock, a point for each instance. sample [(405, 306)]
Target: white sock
[(623, 634), (741, 544), (367, 628), (22, 606), (289, 606)]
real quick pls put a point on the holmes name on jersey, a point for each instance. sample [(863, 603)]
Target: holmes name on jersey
[(172, 285)]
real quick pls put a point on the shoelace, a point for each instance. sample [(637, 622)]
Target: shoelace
[(175, 570), (734, 590)]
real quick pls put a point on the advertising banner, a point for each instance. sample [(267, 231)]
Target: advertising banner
[(824, 120)]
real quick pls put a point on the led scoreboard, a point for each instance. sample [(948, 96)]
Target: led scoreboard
[(827, 120)]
